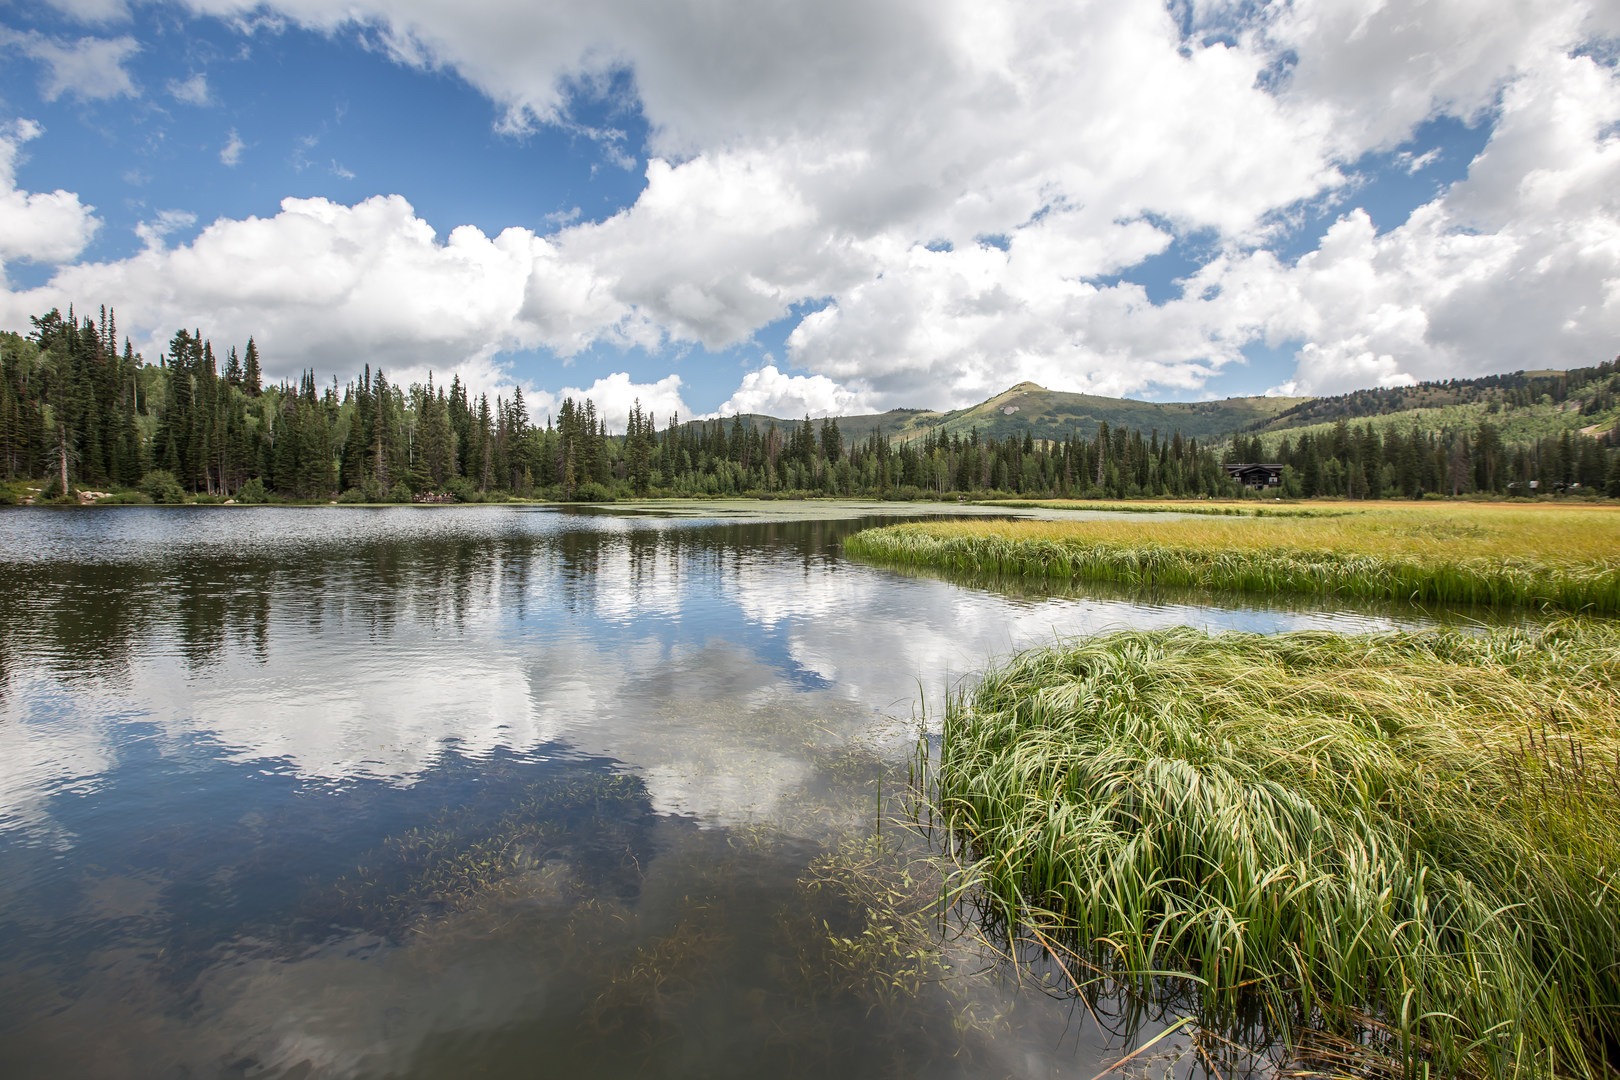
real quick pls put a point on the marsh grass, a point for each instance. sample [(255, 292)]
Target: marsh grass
[(1561, 558), (1398, 848), (1178, 506)]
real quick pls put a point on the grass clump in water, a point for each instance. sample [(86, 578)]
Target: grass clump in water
[(1556, 557), (1410, 838)]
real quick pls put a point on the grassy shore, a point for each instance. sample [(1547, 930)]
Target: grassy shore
[(1561, 557), (1199, 507), (1410, 839)]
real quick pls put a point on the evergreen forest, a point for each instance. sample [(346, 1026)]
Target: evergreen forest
[(80, 412)]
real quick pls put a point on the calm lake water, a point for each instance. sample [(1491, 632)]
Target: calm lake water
[(507, 791)]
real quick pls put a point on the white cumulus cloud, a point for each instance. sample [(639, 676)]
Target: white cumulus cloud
[(773, 393), (613, 395), (38, 226), (320, 284), (1517, 266)]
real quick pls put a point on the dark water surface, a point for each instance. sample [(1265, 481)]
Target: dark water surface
[(412, 792)]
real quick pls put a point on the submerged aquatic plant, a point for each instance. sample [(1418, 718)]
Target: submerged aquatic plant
[(1410, 840), (557, 835)]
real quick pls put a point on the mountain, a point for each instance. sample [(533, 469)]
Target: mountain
[(1054, 414), (1523, 405)]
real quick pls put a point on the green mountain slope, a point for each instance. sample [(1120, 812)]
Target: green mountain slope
[(1514, 424), (1054, 414), (1524, 406)]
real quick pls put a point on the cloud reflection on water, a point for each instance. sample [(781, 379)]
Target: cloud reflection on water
[(706, 659)]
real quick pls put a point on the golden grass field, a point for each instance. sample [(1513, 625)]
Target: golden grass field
[(1555, 532), (1565, 556)]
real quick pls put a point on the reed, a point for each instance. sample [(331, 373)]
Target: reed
[(1177, 506), (1501, 557), (1410, 838)]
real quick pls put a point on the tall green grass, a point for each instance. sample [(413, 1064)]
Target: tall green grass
[(1411, 839), (1236, 555)]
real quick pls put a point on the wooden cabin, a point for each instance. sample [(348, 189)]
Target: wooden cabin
[(1258, 477)]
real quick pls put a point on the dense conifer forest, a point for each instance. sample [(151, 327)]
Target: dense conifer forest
[(79, 411)]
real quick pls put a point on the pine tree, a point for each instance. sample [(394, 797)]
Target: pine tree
[(252, 377)]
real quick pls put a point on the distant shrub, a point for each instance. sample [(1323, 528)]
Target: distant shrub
[(208, 500), (252, 492), (125, 498), (160, 486), (399, 493), (353, 495)]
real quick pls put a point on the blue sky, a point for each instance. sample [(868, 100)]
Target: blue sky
[(825, 208)]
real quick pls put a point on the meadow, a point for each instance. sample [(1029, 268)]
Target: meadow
[(1563, 557), (1406, 843)]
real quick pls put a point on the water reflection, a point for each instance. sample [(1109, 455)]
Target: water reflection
[(362, 650), (384, 791)]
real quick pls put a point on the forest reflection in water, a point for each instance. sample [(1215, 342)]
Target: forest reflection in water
[(414, 791)]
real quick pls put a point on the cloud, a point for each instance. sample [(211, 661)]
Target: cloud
[(1416, 163), (192, 91), (613, 396), (1381, 68), (89, 68), (1517, 266), (153, 233), (48, 227), (773, 393), (93, 11), (1089, 134), (713, 249), (320, 284), (950, 328), (863, 171), (231, 153)]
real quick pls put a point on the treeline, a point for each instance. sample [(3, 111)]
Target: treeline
[(86, 413), (1359, 462)]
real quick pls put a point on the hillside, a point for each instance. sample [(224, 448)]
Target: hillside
[(1054, 414), (1525, 405), (1515, 425)]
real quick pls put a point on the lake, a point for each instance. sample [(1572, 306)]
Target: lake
[(506, 790)]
